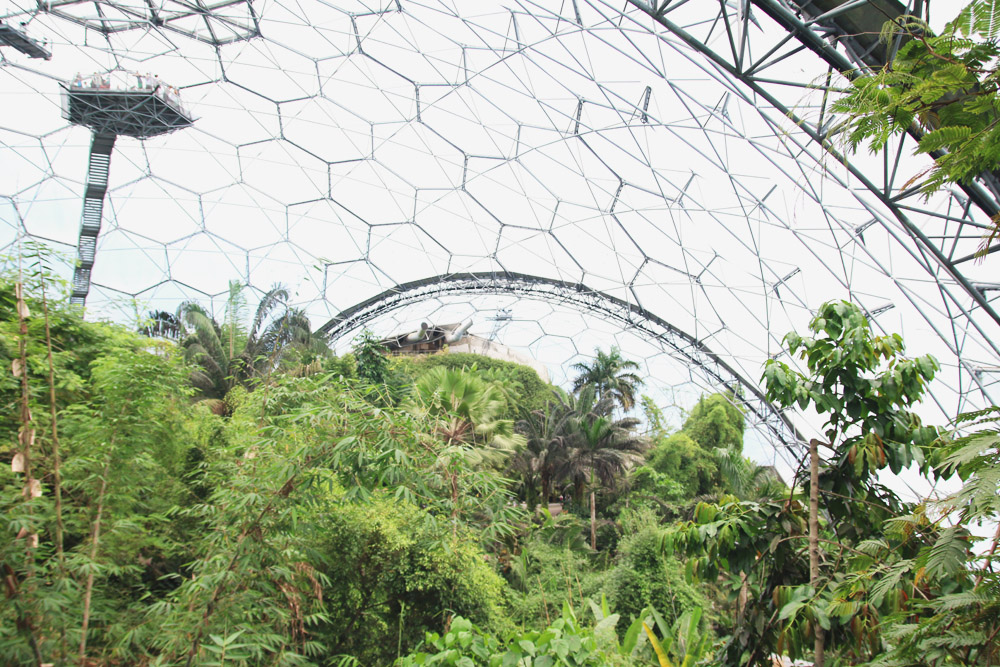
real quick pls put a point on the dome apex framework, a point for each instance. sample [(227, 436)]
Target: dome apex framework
[(678, 157)]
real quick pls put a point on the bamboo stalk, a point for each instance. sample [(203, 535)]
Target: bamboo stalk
[(95, 539), (545, 604), (25, 439), (56, 457)]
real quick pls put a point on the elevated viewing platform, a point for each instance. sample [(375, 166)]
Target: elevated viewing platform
[(126, 104), (18, 38)]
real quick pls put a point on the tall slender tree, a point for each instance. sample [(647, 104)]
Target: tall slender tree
[(598, 447), (603, 450), (464, 411), (609, 373)]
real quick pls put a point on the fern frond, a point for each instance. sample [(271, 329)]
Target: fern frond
[(981, 17), (946, 137), (873, 547), (986, 415), (960, 601), (890, 581), (948, 555)]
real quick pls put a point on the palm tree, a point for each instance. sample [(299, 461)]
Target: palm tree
[(598, 447), (203, 348), (230, 354), (604, 449), (161, 324), (464, 411), (547, 434), (609, 373), (746, 479)]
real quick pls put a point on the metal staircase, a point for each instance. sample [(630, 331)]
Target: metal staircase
[(93, 209)]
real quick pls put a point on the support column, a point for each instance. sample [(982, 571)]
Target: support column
[(93, 210)]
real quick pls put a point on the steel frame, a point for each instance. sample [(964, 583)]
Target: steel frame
[(942, 240), (150, 16), (737, 63)]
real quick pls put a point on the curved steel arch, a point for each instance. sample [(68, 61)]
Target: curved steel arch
[(578, 296)]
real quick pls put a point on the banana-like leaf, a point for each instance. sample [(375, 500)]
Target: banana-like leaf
[(661, 654)]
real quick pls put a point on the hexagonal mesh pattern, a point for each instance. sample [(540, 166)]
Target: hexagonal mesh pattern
[(354, 146)]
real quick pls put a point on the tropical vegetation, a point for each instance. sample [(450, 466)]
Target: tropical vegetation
[(210, 492)]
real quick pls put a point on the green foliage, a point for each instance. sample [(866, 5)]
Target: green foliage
[(316, 523), (745, 479), (944, 85), (564, 642), (647, 482), (975, 458), (345, 366), (547, 434), (78, 345), (609, 373), (465, 408), (754, 551), (389, 576), (979, 18), (525, 388), (313, 539), (926, 603), (687, 463), (656, 421), (553, 566), (121, 403), (645, 576), (369, 354), (568, 643), (191, 538), (865, 388), (237, 351), (716, 421), (692, 458)]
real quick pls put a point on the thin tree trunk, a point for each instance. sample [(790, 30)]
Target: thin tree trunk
[(814, 542), (27, 435), (56, 460), (25, 439), (593, 520), (454, 504), (95, 539)]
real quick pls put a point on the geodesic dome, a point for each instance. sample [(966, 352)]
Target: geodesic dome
[(664, 176)]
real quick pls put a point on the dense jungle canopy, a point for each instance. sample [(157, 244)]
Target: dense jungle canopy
[(454, 509)]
